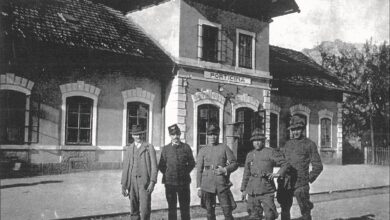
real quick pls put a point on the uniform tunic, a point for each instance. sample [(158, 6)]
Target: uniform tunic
[(257, 163), (300, 153)]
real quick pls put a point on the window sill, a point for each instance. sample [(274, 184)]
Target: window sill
[(78, 147)]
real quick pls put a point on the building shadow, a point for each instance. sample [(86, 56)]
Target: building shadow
[(30, 184), (363, 217)]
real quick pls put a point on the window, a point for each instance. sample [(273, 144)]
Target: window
[(12, 117), (209, 41), (245, 49), (137, 114), (246, 122), (325, 132), (78, 120), (206, 114), (274, 126)]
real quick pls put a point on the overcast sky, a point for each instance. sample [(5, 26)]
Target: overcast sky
[(352, 21)]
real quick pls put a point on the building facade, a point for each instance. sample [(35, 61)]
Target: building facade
[(73, 83), (222, 65)]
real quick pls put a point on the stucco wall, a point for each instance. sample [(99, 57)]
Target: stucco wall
[(328, 155), (189, 21), (161, 22), (110, 106)]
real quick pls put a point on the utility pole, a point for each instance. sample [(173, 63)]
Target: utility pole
[(371, 123)]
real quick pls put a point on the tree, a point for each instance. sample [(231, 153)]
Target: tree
[(356, 66)]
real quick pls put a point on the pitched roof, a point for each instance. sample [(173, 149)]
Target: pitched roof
[(78, 24), (294, 68), (250, 8)]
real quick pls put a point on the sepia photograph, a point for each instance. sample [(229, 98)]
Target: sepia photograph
[(194, 109)]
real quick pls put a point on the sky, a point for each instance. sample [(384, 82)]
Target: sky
[(353, 21)]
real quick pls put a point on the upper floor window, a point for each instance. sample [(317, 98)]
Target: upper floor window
[(245, 48), (209, 42), (78, 120), (137, 114)]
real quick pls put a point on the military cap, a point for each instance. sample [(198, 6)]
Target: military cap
[(136, 129), (296, 122), (213, 128), (257, 134), (174, 129)]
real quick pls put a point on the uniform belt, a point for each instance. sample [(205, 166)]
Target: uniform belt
[(211, 167), (258, 175)]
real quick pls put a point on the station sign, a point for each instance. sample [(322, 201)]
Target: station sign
[(224, 77)]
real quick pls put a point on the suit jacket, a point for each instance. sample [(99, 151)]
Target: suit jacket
[(176, 164), (147, 164), (257, 163), (209, 158), (300, 153)]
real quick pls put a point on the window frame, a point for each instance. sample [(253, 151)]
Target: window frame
[(200, 40), (78, 143), (303, 110), (277, 126), (64, 116), (128, 127), (207, 97), (251, 34), (324, 113), (320, 132), (137, 95), (10, 81)]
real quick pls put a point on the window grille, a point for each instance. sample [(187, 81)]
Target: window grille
[(206, 114), (210, 43), (245, 51), (78, 120), (137, 114), (325, 132)]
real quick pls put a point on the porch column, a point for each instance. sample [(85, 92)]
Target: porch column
[(267, 107)]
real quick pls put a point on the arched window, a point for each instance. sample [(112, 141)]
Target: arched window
[(207, 114), (325, 135), (16, 124), (303, 112), (137, 114), (137, 110), (79, 115), (325, 128)]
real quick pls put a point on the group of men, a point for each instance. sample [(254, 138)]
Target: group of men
[(215, 162)]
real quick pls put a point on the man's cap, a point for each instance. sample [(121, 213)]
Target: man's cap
[(136, 129), (174, 129), (213, 128), (296, 122), (257, 134)]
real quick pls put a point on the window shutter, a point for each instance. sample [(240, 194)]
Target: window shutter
[(35, 115)]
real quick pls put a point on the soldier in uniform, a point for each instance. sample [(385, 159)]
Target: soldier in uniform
[(258, 178), (139, 175), (215, 163), (176, 164), (300, 152)]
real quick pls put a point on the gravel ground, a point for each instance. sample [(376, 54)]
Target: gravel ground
[(98, 192)]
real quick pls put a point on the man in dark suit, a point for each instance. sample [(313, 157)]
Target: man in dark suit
[(258, 178), (215, 163), (300, 153), (139, 175), (176, 164)]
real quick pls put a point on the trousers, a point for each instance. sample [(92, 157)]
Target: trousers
[(225, 199), (140, 200), (285, 199), (182, 192), (258, 203)]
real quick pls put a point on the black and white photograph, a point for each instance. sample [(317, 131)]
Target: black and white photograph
[(194, 109)]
